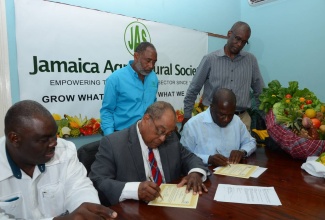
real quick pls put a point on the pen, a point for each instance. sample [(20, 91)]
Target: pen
[(158, 192)]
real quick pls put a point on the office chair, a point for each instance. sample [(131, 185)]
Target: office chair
[(86, 154)]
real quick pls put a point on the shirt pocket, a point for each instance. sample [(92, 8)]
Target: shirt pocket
[(12, 205), (52, 199)]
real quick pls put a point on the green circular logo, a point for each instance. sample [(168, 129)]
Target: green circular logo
[(134, 34)]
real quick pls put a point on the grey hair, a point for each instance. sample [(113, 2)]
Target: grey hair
[(157, 109), (143, 46)]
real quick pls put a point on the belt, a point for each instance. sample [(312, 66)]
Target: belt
[(239, 112)]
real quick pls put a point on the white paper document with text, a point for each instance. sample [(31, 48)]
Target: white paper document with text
[(247, 194)]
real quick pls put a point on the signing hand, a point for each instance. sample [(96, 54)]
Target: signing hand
[(148, 191), (218, 160), (236, 156), (193, 181), (89, 211)]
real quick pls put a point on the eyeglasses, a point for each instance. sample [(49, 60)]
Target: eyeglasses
[(159, 132), (238, 39)]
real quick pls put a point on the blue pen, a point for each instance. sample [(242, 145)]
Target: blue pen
[(12, 199)]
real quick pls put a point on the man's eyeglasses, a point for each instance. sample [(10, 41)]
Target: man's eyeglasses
[(238, 39), (160, 132)]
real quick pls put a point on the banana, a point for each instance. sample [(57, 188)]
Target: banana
[(261, 133)]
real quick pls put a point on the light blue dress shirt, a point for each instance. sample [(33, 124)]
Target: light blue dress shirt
[(204, 137), (126, 98)]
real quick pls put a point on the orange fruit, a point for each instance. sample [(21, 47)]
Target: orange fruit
[(316, 122), (310, 113)]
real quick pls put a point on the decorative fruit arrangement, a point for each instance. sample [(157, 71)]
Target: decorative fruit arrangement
[(76, 126), (180, 115), (199, 107), (299, 110)]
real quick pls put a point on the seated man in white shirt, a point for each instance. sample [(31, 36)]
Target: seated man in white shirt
[(124, 165), (217, 135), (41, 176)]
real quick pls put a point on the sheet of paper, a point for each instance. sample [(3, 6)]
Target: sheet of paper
[(237, 170), (247, 194), (175, 197), (258, 172)]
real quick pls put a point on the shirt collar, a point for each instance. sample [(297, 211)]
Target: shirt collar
[(207, 116), (144, 147), (16, 170), (132, 70)]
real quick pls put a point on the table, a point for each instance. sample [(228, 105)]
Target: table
[(302, 195)]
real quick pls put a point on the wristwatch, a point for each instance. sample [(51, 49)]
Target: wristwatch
[(245, 153)]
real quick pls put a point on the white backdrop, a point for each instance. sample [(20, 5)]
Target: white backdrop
[(65, 53)]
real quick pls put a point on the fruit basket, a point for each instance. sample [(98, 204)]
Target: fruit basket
[(295, 119), (291, 143)]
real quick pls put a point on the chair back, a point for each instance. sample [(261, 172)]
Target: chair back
[(86, 154)]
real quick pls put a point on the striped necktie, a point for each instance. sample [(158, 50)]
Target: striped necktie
[(156, 175)]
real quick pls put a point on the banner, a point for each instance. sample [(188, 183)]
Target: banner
[(65, 53)]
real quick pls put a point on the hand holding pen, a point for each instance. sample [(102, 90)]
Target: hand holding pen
[(158, 191), (148, 191), (218, 160)]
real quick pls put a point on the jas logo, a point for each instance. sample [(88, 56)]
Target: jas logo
[(134, 34)]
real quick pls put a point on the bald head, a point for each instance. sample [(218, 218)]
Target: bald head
[(240, 25), (223, 106), (223, 95)]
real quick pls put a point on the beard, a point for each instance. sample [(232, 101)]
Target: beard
[(141, 70)]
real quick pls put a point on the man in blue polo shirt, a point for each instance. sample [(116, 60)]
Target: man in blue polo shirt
[(130, 90)]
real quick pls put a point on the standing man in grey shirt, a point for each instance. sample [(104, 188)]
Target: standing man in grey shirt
[(231, 68)]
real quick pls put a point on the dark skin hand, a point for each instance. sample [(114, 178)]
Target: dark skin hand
[(89, 211), (148, 191), (219, 160), (236, 156), (193, 181)]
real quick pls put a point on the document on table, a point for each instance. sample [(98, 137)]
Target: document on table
[(247, 194), (255, 174), (237, 170), (175, 197)]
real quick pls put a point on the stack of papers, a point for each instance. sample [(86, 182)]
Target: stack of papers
[(240, 170)]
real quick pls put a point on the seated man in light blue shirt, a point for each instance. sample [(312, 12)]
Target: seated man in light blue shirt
[(130, 90), (218, 136)]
